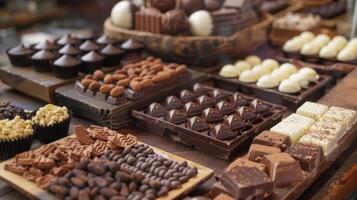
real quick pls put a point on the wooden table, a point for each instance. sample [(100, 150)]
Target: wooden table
[(321, 187)]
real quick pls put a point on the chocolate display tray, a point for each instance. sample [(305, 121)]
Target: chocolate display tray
[(32, 191), (296, 190), (115, 116), (205, 143), (39, 85), (292, 101)]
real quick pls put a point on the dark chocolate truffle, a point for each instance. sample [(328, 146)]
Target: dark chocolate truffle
[(67, 39), (45, 45), (191, 6), (219, 95), (212, 5), (259, 106), (234, 122), (18, 56), (200, 89), (163, 5), (91, 62), (192, 109), (173, 102), (66, 61), (112, 55), (187, 96), (239, 99), (176, 117), (197, 124), (41, 61), (104, 40), (69, 50), (246, 113), (175, 22), (131, 44), (88, 45), (222, 132), (66, 67), (206, 101), (225, 108), (212, 115), (157, 110)]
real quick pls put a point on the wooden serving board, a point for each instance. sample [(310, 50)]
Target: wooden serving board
[(39, 85), (115, 116), (32, 191)]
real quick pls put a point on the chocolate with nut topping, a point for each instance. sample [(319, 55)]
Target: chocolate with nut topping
[(273, 139)]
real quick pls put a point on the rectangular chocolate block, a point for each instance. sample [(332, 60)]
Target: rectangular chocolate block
[(257, 152), (246, 182), (283, 169), (242, 162), (148, 20), (309, 156), (269, 138)]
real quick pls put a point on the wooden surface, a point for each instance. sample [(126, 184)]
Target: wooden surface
[(31, 190)]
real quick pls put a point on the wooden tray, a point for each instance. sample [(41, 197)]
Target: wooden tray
[(196, 51), (32, 191), (113, 116), (297, 190), (39, 85)]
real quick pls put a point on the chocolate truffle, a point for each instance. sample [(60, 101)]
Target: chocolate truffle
[(225, 108), (190, 6), (91, 62), (66, 67), (187, 96), (222, 132), (205, 101), (192, 109), (212, 115), (200, 89), (112, 55), (163, 5), (247, 113), (259, 106), (131, 44), (18, 55), (175, 22), (173, 102), (234, 122), (219, 95), (239, 99), (88, 45), (156, 110), (176, 117), (69, 50), (67, 39), (197, 124), (212, 5), (45, 45), (41, 61), (201, 23), (104, 40)]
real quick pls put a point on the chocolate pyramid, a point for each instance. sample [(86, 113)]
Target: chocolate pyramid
[(200, 89), (173, 102), (205, 101), (192, 109), (222, 132), (157, 110), (239, 99), (197, 124), (247, 113), (187, 96), (259, 106), (212, 115), (219, 95), (234, 122), (225, 108), (176, 117)]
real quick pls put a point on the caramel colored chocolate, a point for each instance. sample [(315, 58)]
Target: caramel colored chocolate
[(148, 20), (257, 152), (309, 156), (242, 162), (269, 138)]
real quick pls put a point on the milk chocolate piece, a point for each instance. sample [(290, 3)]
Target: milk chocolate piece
[(212, 5), (191, 6), (212, 115), (222, 132), (309, 156), (225, 108), (192, 109), (283, 169), (219, 95), (163, 5), (67, 39), (246, 182), (176, 117), (69, 50), (197, 124), (259, 106), (239, 99), (257, 151), (132, 44), (187, 96), (269, 138), (148, 20), (175, 22), (200, 89), (172, 102), (247, 113), (156, 110), (242, 162), (234, 122), (45, 45), (105, 40), (205, 101), (88, 45)]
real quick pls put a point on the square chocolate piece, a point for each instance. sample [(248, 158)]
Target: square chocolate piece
[(269, 138), (309, 156), (283, 169), (257, 151), (242, 162), (246, 182)]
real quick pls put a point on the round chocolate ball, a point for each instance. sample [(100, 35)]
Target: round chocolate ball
[(212, 5), (163, 5), (175, 22), (190, 6)]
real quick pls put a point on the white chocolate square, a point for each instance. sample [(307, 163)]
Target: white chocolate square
[(342, 115), (312, 110), (299, 120), (293, 131), (327, 143), (330, 127)]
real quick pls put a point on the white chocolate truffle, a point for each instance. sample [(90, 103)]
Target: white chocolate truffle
[(271, 64), (201, 23), (322, 39), (290, 68), (309, 74), (248, 76), (253, 60), (260, 70), (289, 86), (328, 52), (307, 35), (279, 75), (346, 54), (293, 46), (300, 79), (352, 44), (122, 15), (310, 49), (338, 42), (242, 65), (266, 81), (229, 71)]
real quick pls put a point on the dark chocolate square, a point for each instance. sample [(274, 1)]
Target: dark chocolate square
[(309, 156)]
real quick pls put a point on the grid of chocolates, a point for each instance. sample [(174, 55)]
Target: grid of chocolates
[(321, 48), (68, 55), (213, 115), (186, 17), (129, 80), (289, 154)]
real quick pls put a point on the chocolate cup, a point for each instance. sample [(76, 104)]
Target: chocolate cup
[(19, 60), (90, 67), (42, 66), (65, 72), (8, 149), (112, 60), (47, 134)]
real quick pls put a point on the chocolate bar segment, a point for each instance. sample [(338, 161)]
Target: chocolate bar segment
[(242, 162), (246, 182), (269, 138), (283, 169), (257, 152), (309, 156)]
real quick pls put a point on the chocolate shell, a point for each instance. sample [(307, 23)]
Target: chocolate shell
[(45, 45), (173, 102), (175, 22), (234, 122), (239, 99), (192, 109), (205, 101), (69, 50), (187, 96), (157, 110), (259, 106), (222, 132), (197, 124), (88, 45), (247, 113), (225, 108), (176, 117), (212, 115)]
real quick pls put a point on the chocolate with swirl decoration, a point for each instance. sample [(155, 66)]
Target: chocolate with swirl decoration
[(124, 141), (99, 148)]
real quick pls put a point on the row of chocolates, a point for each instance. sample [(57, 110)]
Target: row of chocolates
[(289, 153)]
